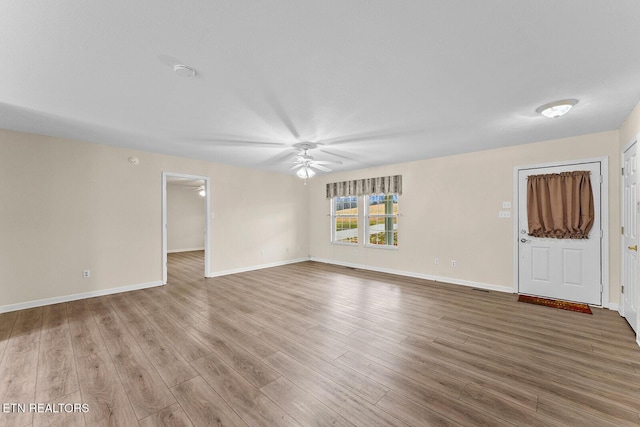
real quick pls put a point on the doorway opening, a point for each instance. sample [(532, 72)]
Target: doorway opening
[(185, 225), (563, 268)]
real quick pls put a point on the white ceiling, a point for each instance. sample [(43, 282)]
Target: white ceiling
[(377, 82)]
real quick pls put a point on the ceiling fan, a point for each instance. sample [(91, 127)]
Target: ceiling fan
[(304, 164)]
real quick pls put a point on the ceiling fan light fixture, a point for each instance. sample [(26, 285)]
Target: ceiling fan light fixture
[(305, 172), (556, 109)]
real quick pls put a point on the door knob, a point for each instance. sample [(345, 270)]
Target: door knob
[(523, 240), (633, 248)]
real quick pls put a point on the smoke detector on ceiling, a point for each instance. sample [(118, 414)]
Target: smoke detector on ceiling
[(184, 71)]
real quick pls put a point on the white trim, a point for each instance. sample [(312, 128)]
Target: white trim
[(175, 251), (453, 281), (256, 267), (628, 145), (614, 307), (604, 218), (207, 204), (74, 297)]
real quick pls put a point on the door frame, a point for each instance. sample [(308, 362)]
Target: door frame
[(207, 203), (634, 140), (604, 219)]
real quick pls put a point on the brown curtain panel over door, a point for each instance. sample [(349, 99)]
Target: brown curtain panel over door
[(560, 205)]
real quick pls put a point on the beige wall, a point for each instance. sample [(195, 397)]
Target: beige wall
[(450, 210), (67, 206), (631, 127), (185, 219)]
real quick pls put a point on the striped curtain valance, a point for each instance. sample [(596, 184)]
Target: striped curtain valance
[(360, 187)]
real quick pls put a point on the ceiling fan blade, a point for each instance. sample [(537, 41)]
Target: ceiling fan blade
[(319, 167), (370, 136), (280, 112), (298, 166), (237, 142), (326, 162)]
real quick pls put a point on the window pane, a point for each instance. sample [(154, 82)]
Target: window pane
[(383, 220), (345, 220)]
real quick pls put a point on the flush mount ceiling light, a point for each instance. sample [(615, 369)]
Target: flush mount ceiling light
[(556, 109), (184, 71)]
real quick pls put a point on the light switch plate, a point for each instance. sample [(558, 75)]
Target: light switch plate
[(504, 214)]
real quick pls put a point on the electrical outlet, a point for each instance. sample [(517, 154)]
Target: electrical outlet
[(453, 263), (86, 274), (506, 205), (436, 261)]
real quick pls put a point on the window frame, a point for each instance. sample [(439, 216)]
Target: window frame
[(368, 217), (335, 216)]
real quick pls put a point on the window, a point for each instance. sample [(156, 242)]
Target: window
[(344, 220), (381, 219)]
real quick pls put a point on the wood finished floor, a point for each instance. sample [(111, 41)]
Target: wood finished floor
[(312, 344)]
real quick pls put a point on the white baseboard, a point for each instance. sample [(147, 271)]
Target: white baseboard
[(255, 267), (419, 275), (613, 306), (73, 297), (638, 340), (175, 251)]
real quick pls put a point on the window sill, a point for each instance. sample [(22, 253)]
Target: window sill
[(344, 244), (387, 247)]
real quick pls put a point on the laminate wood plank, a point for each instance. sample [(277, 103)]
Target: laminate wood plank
[(109, 324), (416, 364), (246, 340), (350, 406), (413, 413), (69, 417), (569, 416), (166, 360), (184, 342), (56, 362), (506, 410), (171, 416), (144, 386), (54, 316), (325, 349), (579, 367), (587, 362), (103, 392), (573, 396), (255, 408), (18, 368), (316, 344), (250, 367), (204, 406), (85, 336), (126, 311), (7, 320), (545, 374), (439, 398), (303, 407), (418, 387), (359, 384)]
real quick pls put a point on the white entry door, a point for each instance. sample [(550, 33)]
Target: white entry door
[(566, 269), (630, 236)]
